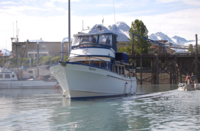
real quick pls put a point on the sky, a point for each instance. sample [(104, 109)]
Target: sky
[(48, 19)]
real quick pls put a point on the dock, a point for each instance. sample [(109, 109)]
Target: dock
[(175, 65)]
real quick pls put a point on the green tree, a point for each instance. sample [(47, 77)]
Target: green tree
[(139, 28), (140, 45), (191, 48)]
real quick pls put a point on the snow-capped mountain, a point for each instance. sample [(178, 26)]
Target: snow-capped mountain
[(121, 29), (179, 40), (65, 39), (96, 30), (160, 36), (122, 35), (5, 52), (175, 39)]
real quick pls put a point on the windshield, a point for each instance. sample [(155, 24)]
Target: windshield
[(84, 40), (105, 39)]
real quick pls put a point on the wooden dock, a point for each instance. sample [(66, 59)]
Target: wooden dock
[(175, 65)]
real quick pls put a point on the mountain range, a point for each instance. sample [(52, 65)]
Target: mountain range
[(122, 30), (174, 40)]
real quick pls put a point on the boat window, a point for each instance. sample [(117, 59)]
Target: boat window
[(1, 75), (13, 76), (76, 41), (105, 40), (7, 75), (84, 40)]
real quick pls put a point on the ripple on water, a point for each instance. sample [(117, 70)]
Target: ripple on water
[(172, 110)]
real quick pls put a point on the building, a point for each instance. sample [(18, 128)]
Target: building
[(154, 48), (45, 49)]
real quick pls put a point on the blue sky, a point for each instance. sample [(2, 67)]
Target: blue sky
[(47, 19)]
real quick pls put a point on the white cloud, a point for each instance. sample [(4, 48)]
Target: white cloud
[(189, 2), (106, 5), (7, 2), (182, 23), (65, 1), (18, 10), (49, 4)]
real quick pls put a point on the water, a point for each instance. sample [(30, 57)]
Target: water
[(46, 109)]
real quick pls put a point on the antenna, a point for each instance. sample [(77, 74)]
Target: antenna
[(82, 25), (16, 30), (114, 11), (13, 30), (103, 21)]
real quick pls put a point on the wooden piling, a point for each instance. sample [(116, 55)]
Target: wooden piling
[(140, 69), (196, 58)]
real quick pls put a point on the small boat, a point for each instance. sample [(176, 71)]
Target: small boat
[(95, 68), (188, 87), (9, 79)]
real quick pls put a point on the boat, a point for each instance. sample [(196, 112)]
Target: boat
[(10, 80), (95, 68), (188, 86)]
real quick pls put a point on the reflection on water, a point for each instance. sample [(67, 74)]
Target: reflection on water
[(145, 89), (46, 109)]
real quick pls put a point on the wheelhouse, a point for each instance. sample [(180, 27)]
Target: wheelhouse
[(7, 76), (102, 40)]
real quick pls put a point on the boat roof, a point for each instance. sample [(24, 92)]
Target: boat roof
[(90, 34)]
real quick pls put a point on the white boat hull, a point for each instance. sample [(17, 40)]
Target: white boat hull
[(84, 81), (27, 84)]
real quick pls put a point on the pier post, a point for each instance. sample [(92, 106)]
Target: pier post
[(196, 58), (157, 70), (140, 69), (132, 44), (175, 70), (38, 59), (17, 55), (171, 70), (152, 71), (180, 71)]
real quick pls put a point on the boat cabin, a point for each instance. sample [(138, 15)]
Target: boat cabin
[(7, 75), (101, 40), (99, 50)]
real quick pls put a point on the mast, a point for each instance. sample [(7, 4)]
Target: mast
[(69, 35)]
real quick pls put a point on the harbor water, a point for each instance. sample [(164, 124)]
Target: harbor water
[(155, 108)]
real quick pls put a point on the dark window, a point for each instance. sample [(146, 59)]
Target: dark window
[(7, 75), (31, 76), (30, 71), (13, 76), (1, 75)]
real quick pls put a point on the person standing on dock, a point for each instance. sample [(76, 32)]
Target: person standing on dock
[(187, 78)]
